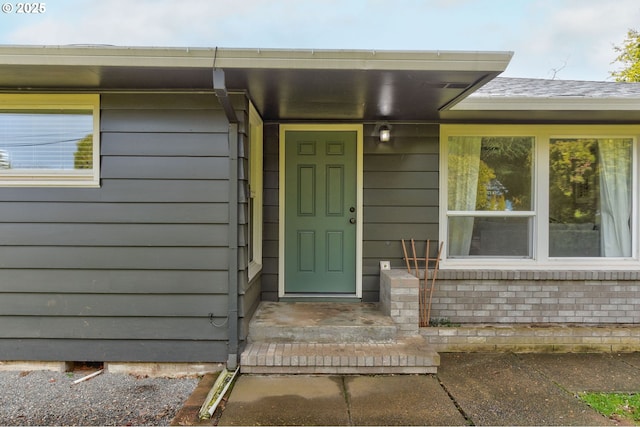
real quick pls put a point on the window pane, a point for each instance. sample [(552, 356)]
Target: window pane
[(490, 236), (46, 141), (590, 197), (490, 173)]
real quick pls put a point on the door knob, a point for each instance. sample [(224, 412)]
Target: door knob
[(352, 220)]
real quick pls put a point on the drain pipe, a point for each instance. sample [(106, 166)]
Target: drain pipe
[(220, 90)]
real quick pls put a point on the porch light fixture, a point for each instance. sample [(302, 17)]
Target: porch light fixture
[(385, 133)]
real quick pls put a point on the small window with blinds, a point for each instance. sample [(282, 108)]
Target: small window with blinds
[(49, 140)]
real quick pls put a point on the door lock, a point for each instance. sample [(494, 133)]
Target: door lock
[(352, 209)]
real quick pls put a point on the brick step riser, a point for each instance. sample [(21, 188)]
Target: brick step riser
[(320, 370), (403, 357)]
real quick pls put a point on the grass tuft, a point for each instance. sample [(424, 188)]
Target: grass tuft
[(442, 322), (620, 406)]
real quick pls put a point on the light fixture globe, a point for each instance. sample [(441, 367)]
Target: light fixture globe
[(385, 134)]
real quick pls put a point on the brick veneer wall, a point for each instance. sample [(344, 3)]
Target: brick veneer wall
[(512, 297), (399, 292), (534, 338)]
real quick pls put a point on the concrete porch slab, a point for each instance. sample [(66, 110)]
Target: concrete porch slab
[(320, 322), (332, 338)]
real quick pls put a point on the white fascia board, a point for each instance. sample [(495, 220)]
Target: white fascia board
[(364, 60), (253, 58), (106, 56), (476, 103)]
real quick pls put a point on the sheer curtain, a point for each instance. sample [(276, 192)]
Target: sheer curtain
[(615, 197), (464, 167)]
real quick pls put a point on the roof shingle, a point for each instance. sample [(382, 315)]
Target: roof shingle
[(509, 87)]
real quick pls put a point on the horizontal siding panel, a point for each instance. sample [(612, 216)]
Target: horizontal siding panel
[(186, 121), (371, 267), (390, 232), (171, 235), (165, 190), (269, 266), (114, 281), (269, 282), (392, 248), (269, 277), (371, 282), (402, 145), (196, 213), (401, 162), (270, 248), (164, 144), (110, 258), (270, 161), (372, 296), (271, 231), (155, 101), (270, 196), (405, 146), (403, 197), (123, 190), (270, 179), (400, 214), (165, 167), (113, 328), (111, 305), (401, 179), (114, 350), (270, 296), (250, 298), (270, 214)]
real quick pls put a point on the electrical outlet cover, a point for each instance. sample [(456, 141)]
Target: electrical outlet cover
[(385, 265)]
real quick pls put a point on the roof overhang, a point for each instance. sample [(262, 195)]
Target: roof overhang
[(560, 109), (285, 85), (527, 100)]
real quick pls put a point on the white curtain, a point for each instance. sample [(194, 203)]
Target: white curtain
[(615, 197), (463, 172)]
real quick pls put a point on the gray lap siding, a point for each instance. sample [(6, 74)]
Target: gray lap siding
[(400, 196), (132, 270)]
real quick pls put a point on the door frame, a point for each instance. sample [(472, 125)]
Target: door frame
[(358, 128)]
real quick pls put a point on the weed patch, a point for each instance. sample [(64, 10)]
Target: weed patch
[(619, 406)]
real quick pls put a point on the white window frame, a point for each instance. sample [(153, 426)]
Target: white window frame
[(255, 190), (62, 178), (542, 135)]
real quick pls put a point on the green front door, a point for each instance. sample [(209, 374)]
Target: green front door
[(320, 212)]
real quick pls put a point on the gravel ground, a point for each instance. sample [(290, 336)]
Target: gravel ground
[(51, 398)]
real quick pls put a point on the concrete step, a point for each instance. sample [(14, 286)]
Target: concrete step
[(404, 356), (320, 322)]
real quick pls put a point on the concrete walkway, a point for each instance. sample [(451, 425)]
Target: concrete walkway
[(469, 389)]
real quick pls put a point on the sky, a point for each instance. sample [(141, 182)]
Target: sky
[(561, 39)]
